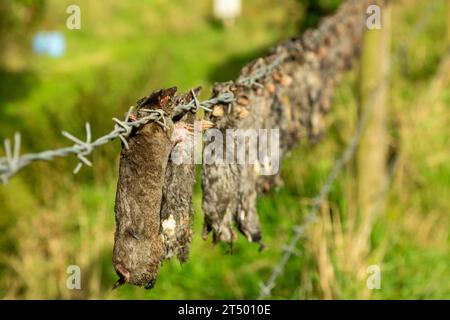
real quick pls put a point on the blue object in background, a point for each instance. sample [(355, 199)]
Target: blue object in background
[(39, 43), (50, 43)]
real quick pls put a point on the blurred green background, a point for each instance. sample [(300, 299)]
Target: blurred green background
[(50, 219)]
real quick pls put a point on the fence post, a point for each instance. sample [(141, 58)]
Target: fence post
[(371, 157)]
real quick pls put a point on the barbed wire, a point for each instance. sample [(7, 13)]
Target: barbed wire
[(263, 71), (13, 161), (300, 231), (195, 105)]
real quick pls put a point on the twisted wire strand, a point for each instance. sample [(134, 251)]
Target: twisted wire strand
[(195, 105), (263, 71), (13, 161)]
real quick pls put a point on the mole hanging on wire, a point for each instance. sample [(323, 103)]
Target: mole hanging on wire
[(154, 192)]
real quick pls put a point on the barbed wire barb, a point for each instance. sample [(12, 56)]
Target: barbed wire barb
[(124, 128), (84, 148), (12, 157)]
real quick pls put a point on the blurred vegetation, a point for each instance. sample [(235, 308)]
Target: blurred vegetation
[(50, 219), (314, 10), (17, 19)]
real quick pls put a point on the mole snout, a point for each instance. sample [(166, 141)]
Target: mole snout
[(124, 276)]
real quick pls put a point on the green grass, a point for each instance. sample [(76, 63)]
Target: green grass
[(51, 219)]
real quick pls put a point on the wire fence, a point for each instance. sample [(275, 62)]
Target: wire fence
[(300, 231), (13, 161)]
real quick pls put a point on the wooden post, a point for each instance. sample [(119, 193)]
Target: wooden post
[(372, 153)]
